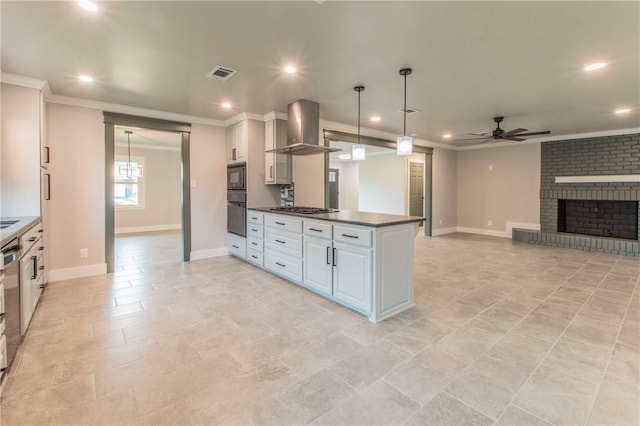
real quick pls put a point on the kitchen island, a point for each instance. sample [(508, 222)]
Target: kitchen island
[(361, 260)]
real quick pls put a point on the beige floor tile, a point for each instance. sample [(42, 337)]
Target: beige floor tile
[(418, 335), (378, 404), (469, 342), (119, 408), (488, 386), (625, 362), (369, 364), (592, 331), (445, 410), (604, 311), (514, 416), (579, 359), (630, 334), (455, 314), (617, 403), (366, 333), (573, 294), (556, 397)]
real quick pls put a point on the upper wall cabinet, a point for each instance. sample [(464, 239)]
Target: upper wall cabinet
[(277, 167), (237, 141)]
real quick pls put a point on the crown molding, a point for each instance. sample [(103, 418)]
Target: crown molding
[(21, 80), (274, 115), (603, 133), (241, 117)]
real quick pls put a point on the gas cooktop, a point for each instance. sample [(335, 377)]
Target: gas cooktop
[(303, 210)]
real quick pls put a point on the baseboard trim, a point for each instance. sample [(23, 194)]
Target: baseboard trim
[(154, 228), (77, 272), (206, 254), (480, 231), (521, 225), (443, 231)]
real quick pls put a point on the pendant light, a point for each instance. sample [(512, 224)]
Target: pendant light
[(130, 171), (358, 151), (405, 143)]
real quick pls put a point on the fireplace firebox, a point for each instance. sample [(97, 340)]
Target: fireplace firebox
[(610, 219)]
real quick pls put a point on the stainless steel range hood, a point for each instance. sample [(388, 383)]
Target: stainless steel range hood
[(303, 130)]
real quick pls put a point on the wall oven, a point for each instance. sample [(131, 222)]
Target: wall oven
[(10, 305), (236, 176), (237, 212)]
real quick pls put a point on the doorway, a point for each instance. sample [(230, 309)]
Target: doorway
[(181, 132), (416, 189), (334, 188)]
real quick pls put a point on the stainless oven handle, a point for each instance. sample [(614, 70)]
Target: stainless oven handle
[(12, 249)]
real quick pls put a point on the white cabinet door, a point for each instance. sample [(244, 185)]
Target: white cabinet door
[(317, 271), (237, 142), (277, 167), (28, 277), (352, 276), (269, 157)]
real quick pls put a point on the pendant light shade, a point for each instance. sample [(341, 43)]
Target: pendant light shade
[(358, 152), (404, 144), (131, 171)]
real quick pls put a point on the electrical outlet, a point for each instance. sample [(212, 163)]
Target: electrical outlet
[(490, 222), (440, 221), (84, 253)]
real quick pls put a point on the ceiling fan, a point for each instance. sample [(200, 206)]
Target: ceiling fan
[(499, 133)]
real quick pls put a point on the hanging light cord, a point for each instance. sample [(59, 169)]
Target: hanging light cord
[(404, 129), (128, 132), (359, 117)]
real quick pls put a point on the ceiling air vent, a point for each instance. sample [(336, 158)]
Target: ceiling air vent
[(221, 73), (409, 110)]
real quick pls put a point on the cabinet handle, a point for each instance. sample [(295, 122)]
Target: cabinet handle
[(47, 186), (350, 236), (41, 285), (41, 268), (254, 230), (328, 261), (41, 230), (315, 230), (271, 172), (34, 264), (254, 243), (32, 239), (254, 256), (235, 246), (281, 242), (280, 223), (41, 248), (233, 153), (254, 218), (334, 257), (280, 264)]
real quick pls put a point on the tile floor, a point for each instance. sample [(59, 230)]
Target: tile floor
[(502, 333)]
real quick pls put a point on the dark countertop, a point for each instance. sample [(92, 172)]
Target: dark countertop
[(17, 229), (350, 216)]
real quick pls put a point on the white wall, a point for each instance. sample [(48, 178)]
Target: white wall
[(510, 192), (76, 210), (444, 189), (383, 184), (162, 174), (20, 146)]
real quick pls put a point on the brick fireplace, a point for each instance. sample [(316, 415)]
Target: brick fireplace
[(599, 197)]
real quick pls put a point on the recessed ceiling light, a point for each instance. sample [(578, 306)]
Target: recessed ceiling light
[(375, 118), (226, 105), (88, 5), (447, 136), (596, 66), (85, 78), (622, 110), (344, 156), (290, 69)]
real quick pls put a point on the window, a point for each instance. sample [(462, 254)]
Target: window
[(128, 191)]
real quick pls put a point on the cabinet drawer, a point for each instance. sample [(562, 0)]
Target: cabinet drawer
[(286, 223), (28, 238), (357, 236), (256, 257), (2, 299), (2, 327), (255, 230), (237, 246), (283, 265), (255, 244), (285, 242), (255, 217), (3, 352), (317, 229)]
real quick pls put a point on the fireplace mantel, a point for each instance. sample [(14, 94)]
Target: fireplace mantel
[(598, 179)]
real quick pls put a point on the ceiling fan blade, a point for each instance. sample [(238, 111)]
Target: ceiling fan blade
[(514, 139), (483, 134), (513, 132), (545, 132), (470, 139), (485, 141)]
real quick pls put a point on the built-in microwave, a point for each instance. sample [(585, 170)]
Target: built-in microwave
[(236, 176)]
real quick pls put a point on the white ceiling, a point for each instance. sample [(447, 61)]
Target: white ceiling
[(147, 138), (346, 147), (471, 60)]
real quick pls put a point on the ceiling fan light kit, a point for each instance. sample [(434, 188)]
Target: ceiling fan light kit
[(404, 144)]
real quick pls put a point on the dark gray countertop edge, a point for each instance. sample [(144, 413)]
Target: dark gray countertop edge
[(392, 219), (17, 229)]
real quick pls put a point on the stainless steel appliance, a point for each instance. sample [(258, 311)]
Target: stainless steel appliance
[(236, 176), (237, 212), (303, 130), (11, 310)]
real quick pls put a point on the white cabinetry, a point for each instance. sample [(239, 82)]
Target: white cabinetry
[(283, 246), (318, 268), (31, 274), (237, 142), (277, 167), (255, 238), (352, 275), (237, 245)]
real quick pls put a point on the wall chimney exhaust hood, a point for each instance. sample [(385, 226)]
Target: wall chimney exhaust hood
[(303, 130)]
